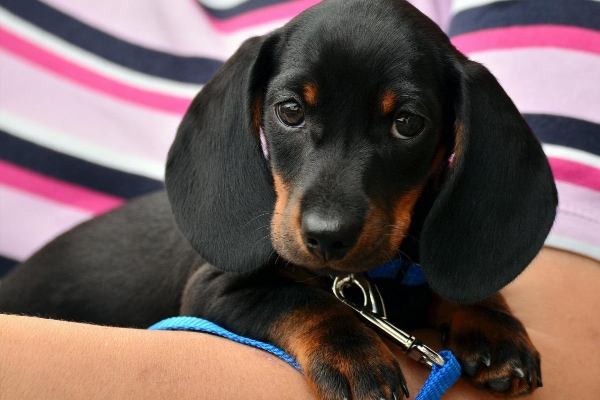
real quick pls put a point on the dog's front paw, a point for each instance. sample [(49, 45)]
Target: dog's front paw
[(357, 365), (494, 351)]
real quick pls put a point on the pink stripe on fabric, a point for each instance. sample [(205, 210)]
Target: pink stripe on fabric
[(575, 173), (578, 214), (572, 38), (90, 79), (176, 27), (263, 15), (56, 190), (182, 27), (32, 94), (29, 222), (548, 80)]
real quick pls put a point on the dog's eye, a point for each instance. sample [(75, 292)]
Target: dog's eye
[(408, 125), (290, 113)]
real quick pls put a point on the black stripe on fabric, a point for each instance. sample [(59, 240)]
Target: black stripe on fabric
[(141, 59), (6, 264), (580, 13), (564, 131), (243, 8), (74, 170)]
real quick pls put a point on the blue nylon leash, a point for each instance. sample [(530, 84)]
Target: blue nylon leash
[(440, 379), (202, 325)]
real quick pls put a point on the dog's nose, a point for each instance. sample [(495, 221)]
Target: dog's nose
[(329, 237)]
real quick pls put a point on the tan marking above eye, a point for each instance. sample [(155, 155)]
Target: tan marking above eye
[(310, 91), (388, 102)]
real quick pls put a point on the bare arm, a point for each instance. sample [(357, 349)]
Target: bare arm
[(556, 298), (46, 359)]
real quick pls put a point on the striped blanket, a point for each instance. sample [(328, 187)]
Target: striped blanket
[(91, 93)]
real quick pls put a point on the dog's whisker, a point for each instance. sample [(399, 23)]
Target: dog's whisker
[(266, 237), (273, 252), (308, 279), (260, 215), (404, 255), (413, 237), (262, 228)]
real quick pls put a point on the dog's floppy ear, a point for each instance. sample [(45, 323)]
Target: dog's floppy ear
[(499, 200), (217, 178)]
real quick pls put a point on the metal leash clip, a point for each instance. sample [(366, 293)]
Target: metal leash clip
[(373, 310)]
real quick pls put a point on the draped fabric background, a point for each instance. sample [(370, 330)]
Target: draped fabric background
[(91, 93)]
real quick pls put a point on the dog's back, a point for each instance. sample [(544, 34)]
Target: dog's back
[(85, 274)]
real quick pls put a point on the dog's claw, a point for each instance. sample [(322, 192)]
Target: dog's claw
[(519, 372), (497, 358), (472, 367), (405, 390), (486, 359)]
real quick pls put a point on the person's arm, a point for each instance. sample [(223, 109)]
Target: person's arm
[(556, 298), (47, 359)]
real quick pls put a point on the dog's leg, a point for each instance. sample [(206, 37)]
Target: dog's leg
[(340, 356), (491, 344)]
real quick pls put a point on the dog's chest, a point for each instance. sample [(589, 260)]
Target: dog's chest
[(406, 305)]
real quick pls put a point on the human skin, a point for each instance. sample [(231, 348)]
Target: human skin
[(556, 298)]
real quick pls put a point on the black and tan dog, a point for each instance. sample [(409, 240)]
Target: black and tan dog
[(378, 139)]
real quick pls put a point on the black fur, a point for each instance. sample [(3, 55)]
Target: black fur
[(474, 223), (125, 268), (498, 204), (215, 175)]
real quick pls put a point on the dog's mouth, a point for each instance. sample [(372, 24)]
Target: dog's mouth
[(374, 244), (357, 261), (339, 237), (348, 264)]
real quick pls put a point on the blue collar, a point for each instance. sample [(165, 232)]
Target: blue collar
[(413, 273)]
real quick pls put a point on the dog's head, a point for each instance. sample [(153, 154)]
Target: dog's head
[(358, 106)]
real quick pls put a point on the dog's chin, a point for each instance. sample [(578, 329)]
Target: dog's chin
[(347, 265)]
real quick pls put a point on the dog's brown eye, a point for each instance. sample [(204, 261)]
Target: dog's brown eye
[(290, 113), (408, 125)]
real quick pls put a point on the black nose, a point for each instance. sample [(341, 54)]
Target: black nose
[(329, 237)]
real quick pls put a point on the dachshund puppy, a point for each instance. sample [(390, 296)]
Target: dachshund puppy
[(354, 135)]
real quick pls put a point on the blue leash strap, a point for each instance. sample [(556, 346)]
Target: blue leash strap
[(440, 379), (202, 325)]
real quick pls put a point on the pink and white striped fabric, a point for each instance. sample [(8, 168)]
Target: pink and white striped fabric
[(546, 55), (91, 93)]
